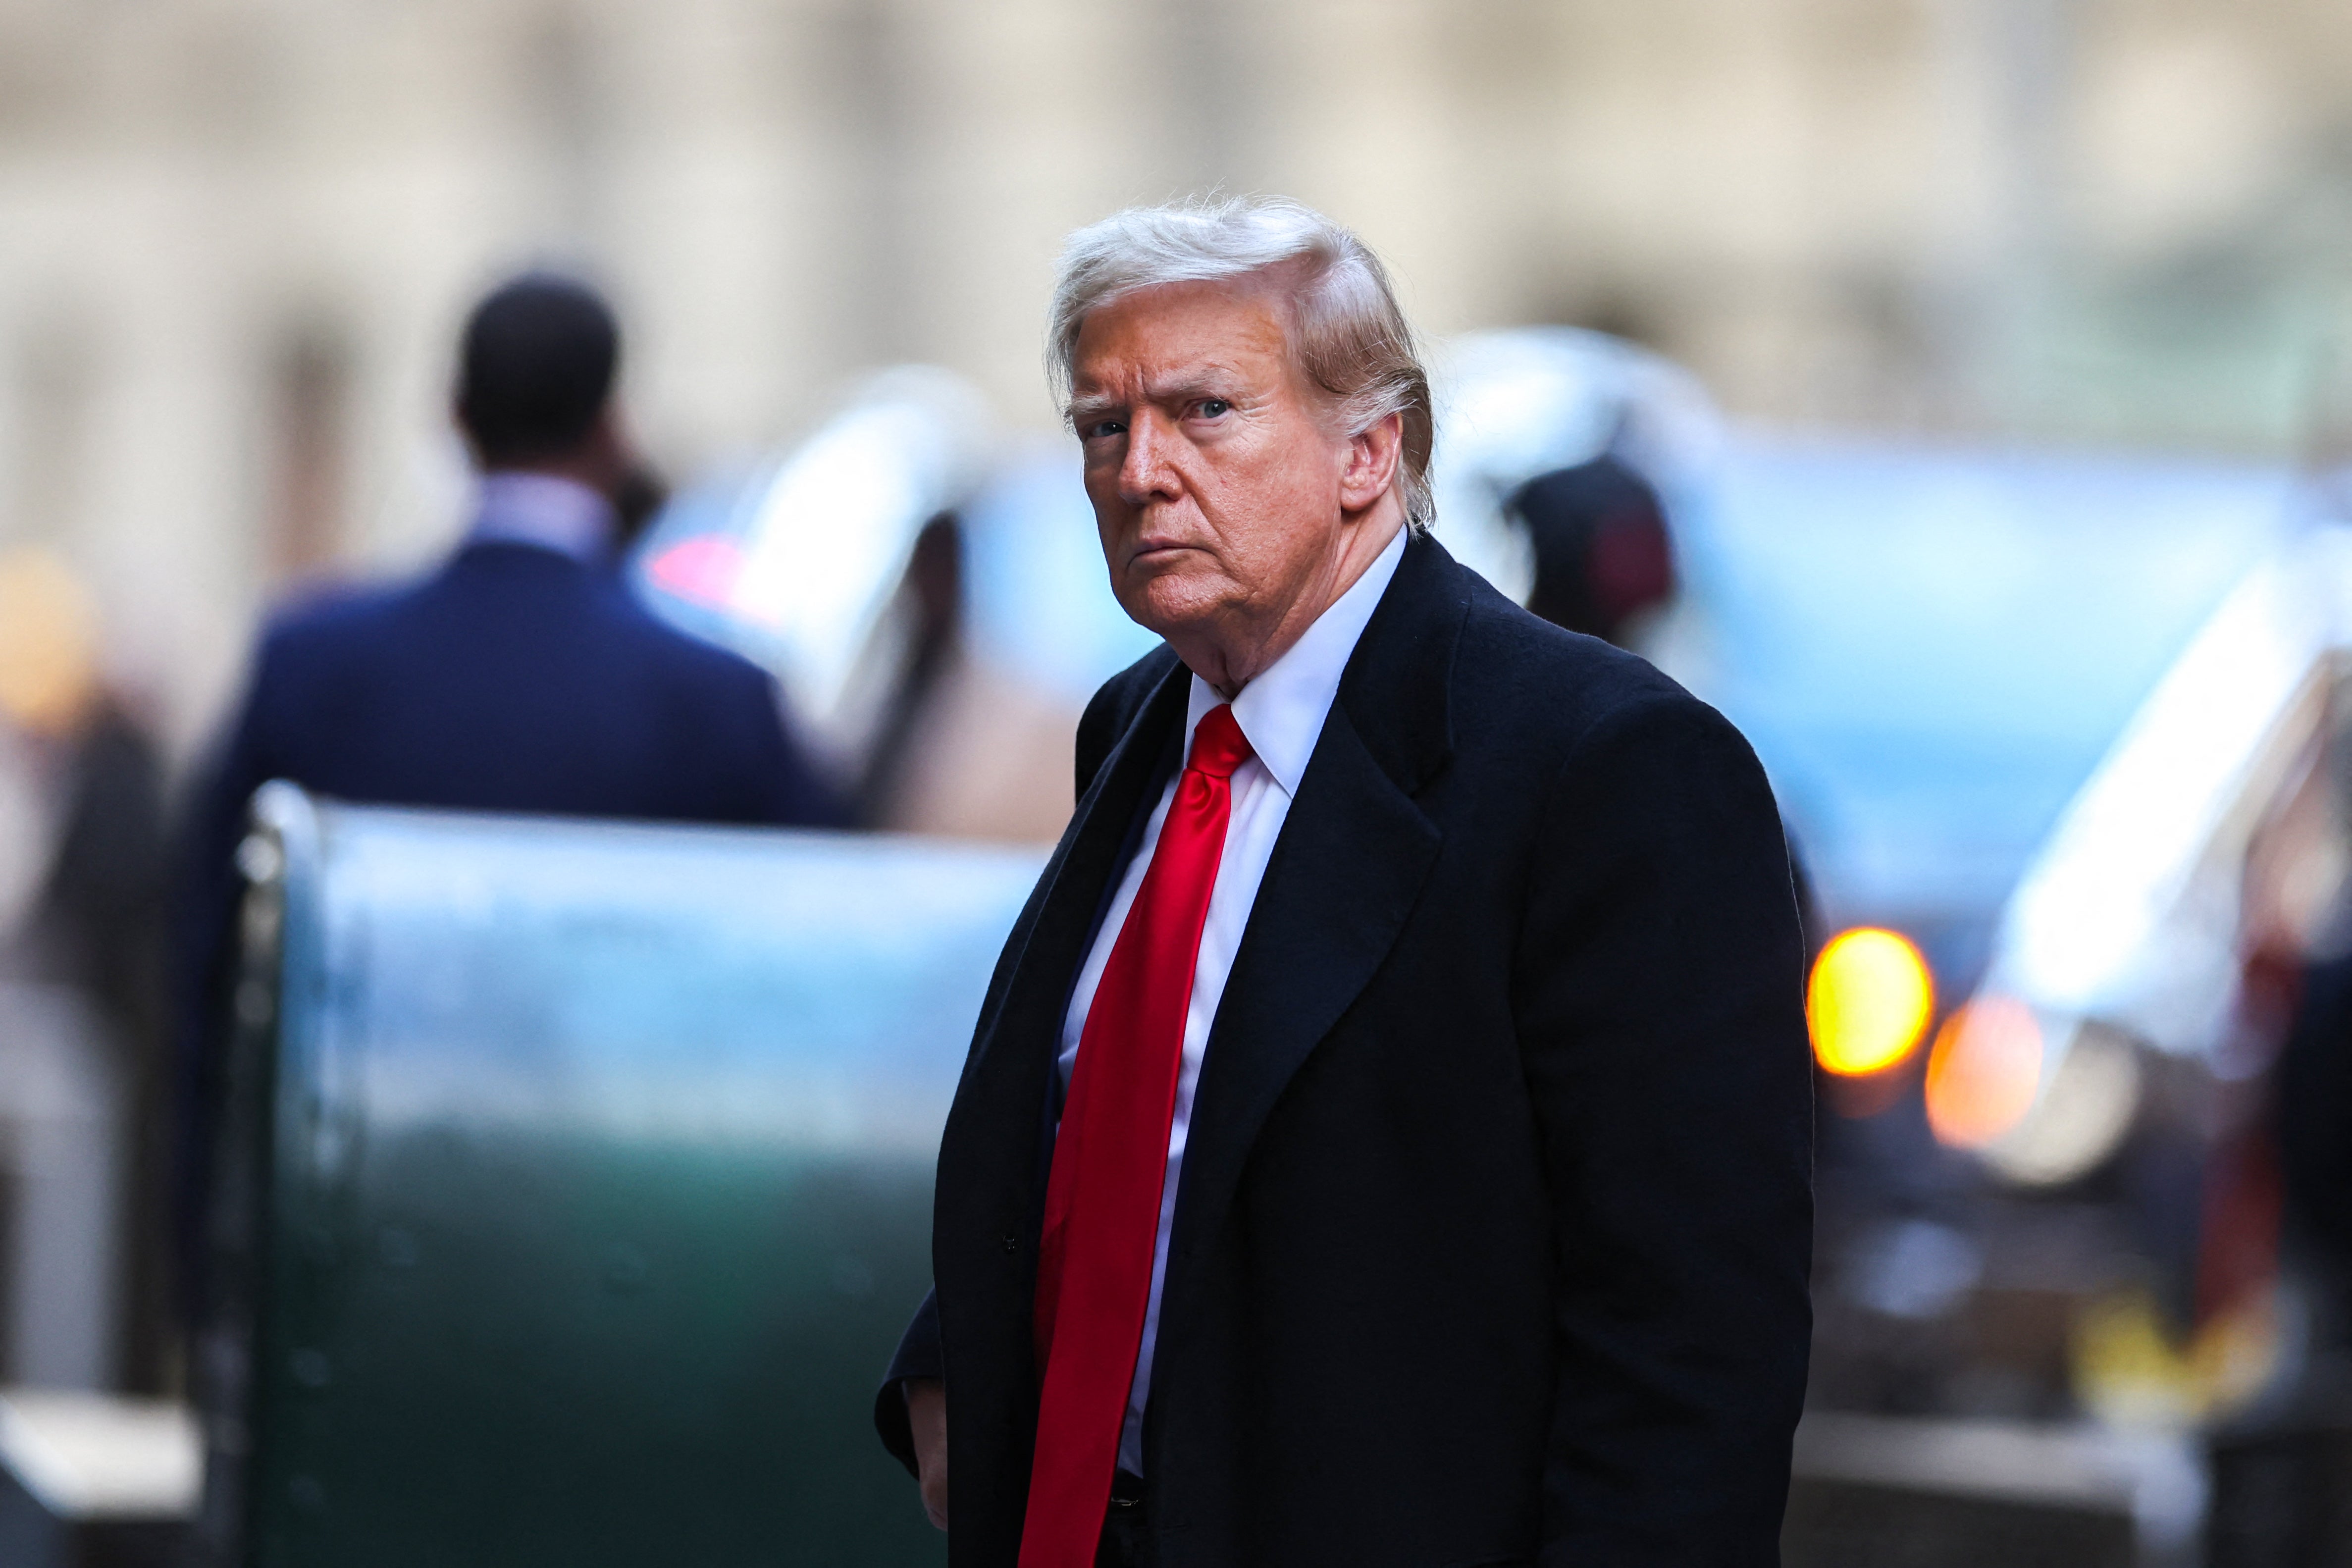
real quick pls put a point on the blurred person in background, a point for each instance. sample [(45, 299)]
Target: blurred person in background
[(1386, 1140), (931, 602), (964, 747), (81, 970), (1603, 558), (521, 676)]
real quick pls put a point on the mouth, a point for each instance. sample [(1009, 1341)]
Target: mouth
[(1151, 549)]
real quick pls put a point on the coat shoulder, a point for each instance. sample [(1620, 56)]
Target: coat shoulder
[(1517, 672), (326, 626), (699, 665)]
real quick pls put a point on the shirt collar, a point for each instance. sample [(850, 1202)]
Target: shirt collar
[(542, 510), (1282, 712)]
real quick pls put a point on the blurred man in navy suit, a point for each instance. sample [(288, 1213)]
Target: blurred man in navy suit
[(521, 675)]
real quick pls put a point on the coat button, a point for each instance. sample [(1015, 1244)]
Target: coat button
[(1012, 1242)]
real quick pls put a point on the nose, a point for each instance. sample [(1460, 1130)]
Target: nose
[(1146, 473)]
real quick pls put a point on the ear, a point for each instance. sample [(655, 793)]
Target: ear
[(1371, 463)]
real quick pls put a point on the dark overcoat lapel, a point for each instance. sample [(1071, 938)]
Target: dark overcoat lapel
[(1034, 976), (991, 1190), (1353, 853)]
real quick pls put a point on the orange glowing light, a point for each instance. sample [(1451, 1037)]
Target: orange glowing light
[(1868, 1002), (1984, 1071)]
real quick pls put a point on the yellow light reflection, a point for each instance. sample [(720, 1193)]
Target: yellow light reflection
[(1984, 1071), (1869, 999)]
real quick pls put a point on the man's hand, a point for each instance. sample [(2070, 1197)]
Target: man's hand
[(927, 1417)]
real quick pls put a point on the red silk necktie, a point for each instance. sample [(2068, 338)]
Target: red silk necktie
[(1102, 1198)]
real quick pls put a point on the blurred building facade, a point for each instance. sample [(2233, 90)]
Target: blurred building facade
[(235, 235)]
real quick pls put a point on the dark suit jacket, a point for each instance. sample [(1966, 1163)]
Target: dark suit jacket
[(1496, 1220), (512, 680)]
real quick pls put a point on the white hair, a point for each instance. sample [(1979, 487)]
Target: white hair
[(1346, 329)]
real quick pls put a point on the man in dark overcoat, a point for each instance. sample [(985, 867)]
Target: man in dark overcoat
[(1387, 1135)]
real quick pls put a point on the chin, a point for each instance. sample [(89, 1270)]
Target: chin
[(1168, 601)]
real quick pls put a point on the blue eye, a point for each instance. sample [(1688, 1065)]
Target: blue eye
[(1215, 407)]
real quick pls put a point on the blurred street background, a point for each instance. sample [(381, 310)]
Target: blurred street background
[(239, 236), (1982, 361)]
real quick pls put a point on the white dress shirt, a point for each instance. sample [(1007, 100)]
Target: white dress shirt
[(1281, 714), (553, 513)]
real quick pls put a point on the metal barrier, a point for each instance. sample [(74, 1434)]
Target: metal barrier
[(577, 1184)]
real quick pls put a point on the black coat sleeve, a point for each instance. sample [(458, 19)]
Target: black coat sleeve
[(919, 1356), (1659, 993)]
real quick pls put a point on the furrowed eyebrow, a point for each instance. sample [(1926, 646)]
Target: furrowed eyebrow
[(1187, 387)]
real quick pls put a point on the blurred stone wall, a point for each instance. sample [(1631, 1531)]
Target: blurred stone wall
[(236, 235)]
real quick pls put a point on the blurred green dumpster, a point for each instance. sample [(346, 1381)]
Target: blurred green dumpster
[(576, 1184)]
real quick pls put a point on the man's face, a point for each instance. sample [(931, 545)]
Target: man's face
[(1216, 488)]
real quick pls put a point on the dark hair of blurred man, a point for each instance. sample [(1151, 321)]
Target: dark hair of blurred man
[(519, 676), (535, 379)]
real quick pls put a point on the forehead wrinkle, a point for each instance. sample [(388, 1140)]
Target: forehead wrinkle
[(1206, 375)]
